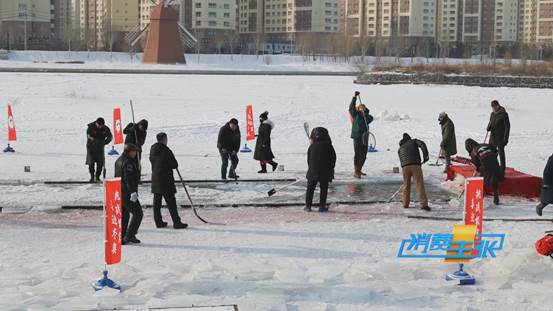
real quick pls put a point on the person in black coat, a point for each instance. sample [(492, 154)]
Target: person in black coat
[(228, 143), (126, 167), (263, 152), (484, 158), (98, 135), (321, 159), (163, 182), (546, 196), (499, 128), (132, 131)]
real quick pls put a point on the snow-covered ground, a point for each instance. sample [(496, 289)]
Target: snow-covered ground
[(276, 259), (120, 60)]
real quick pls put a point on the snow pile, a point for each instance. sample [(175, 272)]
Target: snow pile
[(392, 117)]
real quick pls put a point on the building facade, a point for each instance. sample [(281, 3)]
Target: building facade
[(104, 23), (26, 24)]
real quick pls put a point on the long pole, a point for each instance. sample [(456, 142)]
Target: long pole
[(190, 198), (136, 139), (25, 34)]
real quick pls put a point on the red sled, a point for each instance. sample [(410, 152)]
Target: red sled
[(515, 183)]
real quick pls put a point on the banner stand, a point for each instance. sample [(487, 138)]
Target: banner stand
[(250, 130), (12, 135), (104, 281), (463, 277), (113, 151), (9, 149), (246, 149), (117, 132)]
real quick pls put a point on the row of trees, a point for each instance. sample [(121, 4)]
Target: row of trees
[(229, 42)]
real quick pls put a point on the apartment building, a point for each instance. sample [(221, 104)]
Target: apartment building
[(26, 23), (417, 18), (104, 23), (279, 24), (212, 22), (536, 22)]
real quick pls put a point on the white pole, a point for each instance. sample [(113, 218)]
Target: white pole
[(104, 226)]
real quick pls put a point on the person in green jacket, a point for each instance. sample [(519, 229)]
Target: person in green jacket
[(360, 120), (448, 146)]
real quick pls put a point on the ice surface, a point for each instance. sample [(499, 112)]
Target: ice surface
[(264, 259)]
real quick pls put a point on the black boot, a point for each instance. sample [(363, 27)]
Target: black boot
[(232, 174), (91, 178), (162, 224), (263, 169), (274, 165), (180, 225), (130, 240), (539, 209), (307, 208), (223, 173)]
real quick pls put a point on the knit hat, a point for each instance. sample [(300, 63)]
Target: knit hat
[(233, 121), (470, 144), (264, 115), (405, 138), (144, 124), (100, 121), (442, 116), (131, 147)]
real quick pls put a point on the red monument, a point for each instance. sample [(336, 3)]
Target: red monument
[(163, 45)]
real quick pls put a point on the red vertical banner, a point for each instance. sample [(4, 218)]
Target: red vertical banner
[(12, 136), (249, 123), (117, 127), (474, 204), (113, 213)]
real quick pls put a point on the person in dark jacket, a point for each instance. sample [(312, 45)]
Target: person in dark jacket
[(98, 135), (126, 167), (448, 146), (135, 133), (360, 120), (411, 165), (228, 144), (546, 196), (484, 158), (163, 182), (263, 152), (134, 130), (499, 128), (321, 159)]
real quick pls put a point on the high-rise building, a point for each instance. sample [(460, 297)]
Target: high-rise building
[(481, 22), (536, 22), (103, 23), (275, 25), (26, 23)]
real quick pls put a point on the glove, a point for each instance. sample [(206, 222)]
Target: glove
[(134, 197), (357, 93), (506, 142)]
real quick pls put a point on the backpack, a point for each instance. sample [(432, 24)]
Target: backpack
[(544, 246)]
